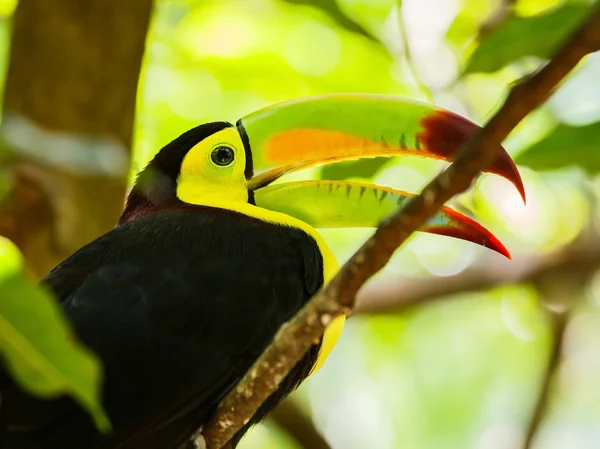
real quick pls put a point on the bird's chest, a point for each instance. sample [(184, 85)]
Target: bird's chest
[(222, 233)]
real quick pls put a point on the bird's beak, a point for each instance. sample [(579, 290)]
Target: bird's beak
[(319, 130)]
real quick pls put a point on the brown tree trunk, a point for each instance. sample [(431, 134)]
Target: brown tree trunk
[(68, 121)]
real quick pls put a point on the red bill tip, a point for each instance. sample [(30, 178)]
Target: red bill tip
[(443, 134), (465, 228), (506, 167)]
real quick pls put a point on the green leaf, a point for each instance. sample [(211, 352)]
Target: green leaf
[(518, 37), (40, 350), (565, 146), (332, 9)]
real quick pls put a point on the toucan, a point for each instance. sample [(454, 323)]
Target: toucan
[(214, 252)]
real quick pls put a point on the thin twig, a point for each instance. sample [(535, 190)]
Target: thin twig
[(291, 418), (560, 295), (295, 337), (559, 324), (504, 11), (408, 57)]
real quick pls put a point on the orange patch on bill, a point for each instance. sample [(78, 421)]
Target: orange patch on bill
[(306, 144)]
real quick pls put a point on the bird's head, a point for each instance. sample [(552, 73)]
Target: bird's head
[(220, 164)]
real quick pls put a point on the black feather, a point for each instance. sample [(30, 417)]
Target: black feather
[(178, 304)]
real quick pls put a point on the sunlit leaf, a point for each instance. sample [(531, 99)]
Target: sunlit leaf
[(534, 7), (565, 146), (40, 350), (518, 37), (469, 20), (331, 8), (7, 7)]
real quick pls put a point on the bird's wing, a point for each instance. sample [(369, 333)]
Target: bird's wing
[(174, 336)]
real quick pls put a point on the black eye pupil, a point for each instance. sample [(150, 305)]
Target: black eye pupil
[(222, 156)]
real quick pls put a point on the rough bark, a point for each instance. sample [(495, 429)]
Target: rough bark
[(68, 121)]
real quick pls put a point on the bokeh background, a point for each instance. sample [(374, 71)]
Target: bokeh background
[(463, 371)]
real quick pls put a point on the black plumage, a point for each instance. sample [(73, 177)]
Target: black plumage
[(178, 301)]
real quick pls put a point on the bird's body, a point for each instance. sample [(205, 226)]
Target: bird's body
[(187, 291), (188, 314)]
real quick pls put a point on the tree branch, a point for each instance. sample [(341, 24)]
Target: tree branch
[(505, 9), (295, 337), (67, 122), (408, 57), (397, 295), (559, 324), (291, 418), (560, 295), (336, 14)]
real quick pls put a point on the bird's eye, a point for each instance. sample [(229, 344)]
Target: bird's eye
[(222, 156)]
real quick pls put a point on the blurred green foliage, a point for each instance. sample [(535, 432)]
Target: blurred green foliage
[(39, 348), (518, 37), (463, 373), (551, 153), (332, 8)]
